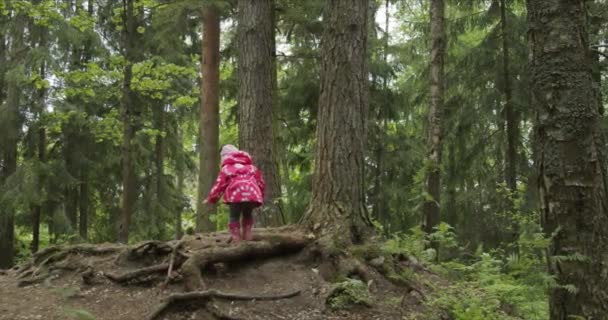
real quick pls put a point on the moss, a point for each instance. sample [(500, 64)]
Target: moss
[(349, 293), (367, 251)]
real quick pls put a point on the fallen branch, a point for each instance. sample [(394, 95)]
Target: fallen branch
[(213, 294), (171, 262)]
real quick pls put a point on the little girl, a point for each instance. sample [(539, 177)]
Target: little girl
[(243, 187)]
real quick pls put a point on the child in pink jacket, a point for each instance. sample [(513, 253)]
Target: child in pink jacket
[(243, 187)]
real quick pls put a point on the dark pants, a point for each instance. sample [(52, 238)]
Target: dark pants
[(246, 208)]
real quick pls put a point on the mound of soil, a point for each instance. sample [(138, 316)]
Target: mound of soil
[(268, 278)]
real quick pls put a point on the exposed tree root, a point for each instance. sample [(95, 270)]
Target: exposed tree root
[(205, 296), (269, 245), (33, 280), (176, 247), (184, 262), (132, 275)]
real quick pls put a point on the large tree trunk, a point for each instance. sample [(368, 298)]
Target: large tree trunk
[(209, 117), (129, 114), (510, 114), (435, 118), (338, 196), (572, 175), (10, 122), (255, 68)]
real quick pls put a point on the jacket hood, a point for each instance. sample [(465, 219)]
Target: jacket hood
[(240, 157)]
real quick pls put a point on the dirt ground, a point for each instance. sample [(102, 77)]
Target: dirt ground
[(65, 296)]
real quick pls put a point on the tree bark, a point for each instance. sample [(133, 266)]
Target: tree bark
[(209, 117), (338, 206), (10, 122), (572, 173), (435, 118), (510, 114), (255, 71), (129, 192)]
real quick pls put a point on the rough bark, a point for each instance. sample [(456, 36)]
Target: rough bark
[(435, 117), (338, 207), (510, 113), (572, 175), (209, 116), (129, 192), (255, 98)]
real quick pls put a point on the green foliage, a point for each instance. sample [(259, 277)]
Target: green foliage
[(349, 293)]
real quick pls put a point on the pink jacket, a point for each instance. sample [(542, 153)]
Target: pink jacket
[(239, 180)]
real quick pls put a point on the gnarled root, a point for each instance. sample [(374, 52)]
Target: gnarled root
[(205, 296), (264, 245)]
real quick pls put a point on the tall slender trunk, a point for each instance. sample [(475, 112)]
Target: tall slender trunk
[(41, 143), (159, 163), (255, 98), (209, 116), (180, 208), (435, 117), (10, 123), (129, 114), (84, 203), (571, 152), (451, 216), (84, 208), (37, 210), (510, 114), (337, 208)]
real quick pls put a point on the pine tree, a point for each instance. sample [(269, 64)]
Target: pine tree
[(10, 122), (255, 73), (209, 115), (435, 117), (572, 168), (129, 118), (338, 199)]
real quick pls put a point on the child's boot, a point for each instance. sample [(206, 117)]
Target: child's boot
[(235, 231), (247, 228)]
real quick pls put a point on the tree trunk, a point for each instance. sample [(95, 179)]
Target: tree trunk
[(256, 98), (511, 123), (572, 175), (10, 122), (129, 192), (37, 210), (84, 207), (209, 162), (180, 208), (159, 164), (435, 118), (338, 197)]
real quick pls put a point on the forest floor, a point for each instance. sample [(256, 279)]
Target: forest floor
[(89, 282)]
